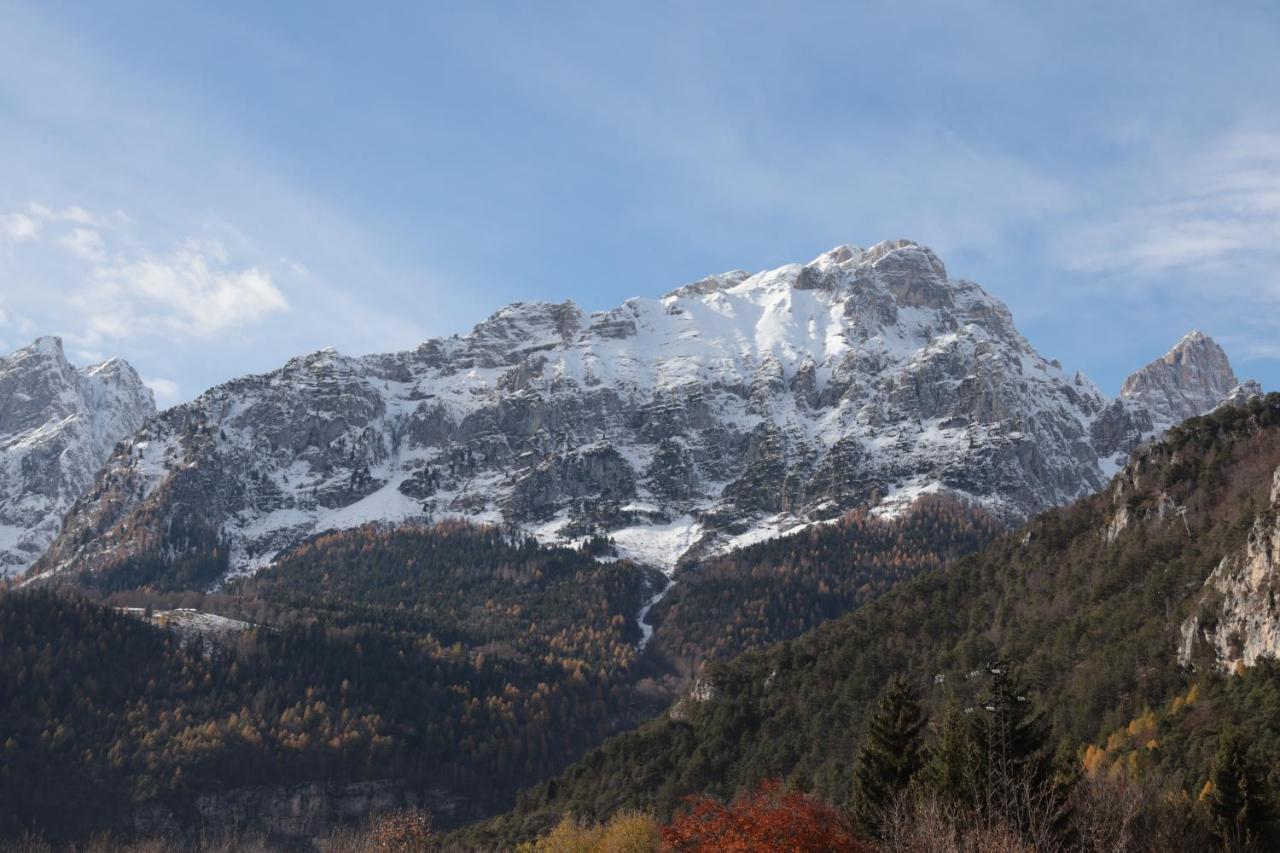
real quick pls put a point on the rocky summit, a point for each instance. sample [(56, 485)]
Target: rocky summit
[(58, 425), (729, 410), (1191, 379)]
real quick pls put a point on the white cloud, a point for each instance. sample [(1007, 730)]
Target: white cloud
[(85, 243), (19, 227), (166, 390), (27, 225), (194, 290), (79, 215)]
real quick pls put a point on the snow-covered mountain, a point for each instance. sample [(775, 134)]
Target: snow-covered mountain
[(58, 425), (729, 410)]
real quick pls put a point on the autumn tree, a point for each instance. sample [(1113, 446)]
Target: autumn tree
[(766, 819)]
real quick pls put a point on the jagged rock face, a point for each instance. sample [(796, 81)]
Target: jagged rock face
[(1239, 617), (731, 409), (58, 425), (1189, 380)]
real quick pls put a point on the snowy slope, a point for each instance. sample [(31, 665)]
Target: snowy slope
[(732, 409), (58, 425)]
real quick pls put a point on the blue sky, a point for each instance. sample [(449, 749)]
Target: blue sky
[(210, 189)]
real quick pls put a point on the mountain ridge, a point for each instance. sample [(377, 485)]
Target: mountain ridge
[(730, 410)]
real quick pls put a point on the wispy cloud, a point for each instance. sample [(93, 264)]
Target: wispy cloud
[(1201, 214), (85, 243)]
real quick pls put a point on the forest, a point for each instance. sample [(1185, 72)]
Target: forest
[(450, 656), (467, 660), (782, 587)]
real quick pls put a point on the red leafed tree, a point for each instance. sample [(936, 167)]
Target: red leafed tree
[(767, 819)]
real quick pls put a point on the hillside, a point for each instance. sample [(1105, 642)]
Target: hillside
[(1087, 602), (445, 667), (780, 588)]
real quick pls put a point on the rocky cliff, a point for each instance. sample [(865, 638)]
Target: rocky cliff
[(1238, 618), (58, 425)]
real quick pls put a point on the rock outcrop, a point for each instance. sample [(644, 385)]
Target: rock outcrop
[(1238, 616)]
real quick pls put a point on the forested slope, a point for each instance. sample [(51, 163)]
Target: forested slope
[(448, 658), (1085, 602)]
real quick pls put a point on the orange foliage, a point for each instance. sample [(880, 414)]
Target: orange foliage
[(767, 819)]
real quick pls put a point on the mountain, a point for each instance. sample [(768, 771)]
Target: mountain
[(728, 411), (1191, 379), (58, 425), (1118, 613)]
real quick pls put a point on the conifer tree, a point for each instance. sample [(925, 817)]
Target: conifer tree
[(1238, 806), (890, 753), (950, 759)]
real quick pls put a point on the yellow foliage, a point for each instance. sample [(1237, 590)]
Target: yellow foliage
[(1206, 791), (1093, 758), (1180, 702), (630, 832), (626, 832), (1142, 724), (569, 836)]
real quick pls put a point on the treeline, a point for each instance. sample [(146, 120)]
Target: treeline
[(781, 588), (450, 656), (1092, 621)]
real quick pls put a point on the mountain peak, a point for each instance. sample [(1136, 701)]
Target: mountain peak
[(1190, 379), (58, 424), (44, 347)]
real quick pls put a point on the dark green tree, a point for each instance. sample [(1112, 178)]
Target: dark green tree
[(1238, 804), (890, 754), (950, 758)]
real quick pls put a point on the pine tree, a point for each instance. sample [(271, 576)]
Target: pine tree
[(890, 754), (950, 759), (1238, 807)]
